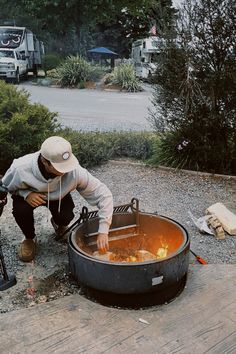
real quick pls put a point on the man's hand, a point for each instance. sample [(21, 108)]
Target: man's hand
[(35, 199), (3, 201), (102, 243)]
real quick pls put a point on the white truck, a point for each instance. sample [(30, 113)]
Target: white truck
[(144, 55), (20, 53)]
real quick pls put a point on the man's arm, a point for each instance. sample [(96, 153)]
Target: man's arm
[(97, 194), (12, 181)]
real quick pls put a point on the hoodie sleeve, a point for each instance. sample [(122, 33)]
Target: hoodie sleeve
[(96, 194), (11, 180)]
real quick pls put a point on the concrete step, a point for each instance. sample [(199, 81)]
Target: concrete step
[(201, 320)]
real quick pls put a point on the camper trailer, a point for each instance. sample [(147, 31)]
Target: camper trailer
[(20, 53), (144, 55)]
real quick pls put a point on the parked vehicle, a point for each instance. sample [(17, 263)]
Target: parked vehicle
[(144, 55), (20, 52)]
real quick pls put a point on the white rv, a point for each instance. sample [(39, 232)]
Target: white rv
[(144, 53), (20, 53)]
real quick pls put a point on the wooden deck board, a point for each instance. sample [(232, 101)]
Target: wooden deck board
[(201, 320)]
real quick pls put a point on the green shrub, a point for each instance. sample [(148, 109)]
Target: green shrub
[(138, 145), (124, 75), (51, 61), (94, 148), (166, 152), (195, 96), (75, 70), (91, 148), (23, 126), (52, 73)]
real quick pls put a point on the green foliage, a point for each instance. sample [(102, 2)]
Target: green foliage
[(138, 145), (165, 151), (81, 85), (52, 74), (76, 26), (23, 126), (124, 75), (75, 70), (51, 61), (195, 96), (93, 148)]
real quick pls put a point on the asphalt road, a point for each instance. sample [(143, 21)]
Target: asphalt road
[(95, 110)]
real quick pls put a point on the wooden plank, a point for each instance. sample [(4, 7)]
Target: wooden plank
[(200, 320), (225, 216)]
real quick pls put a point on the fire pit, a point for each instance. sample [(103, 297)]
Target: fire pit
[(147, 262)]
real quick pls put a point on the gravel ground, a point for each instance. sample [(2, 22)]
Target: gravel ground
[(166, 192)]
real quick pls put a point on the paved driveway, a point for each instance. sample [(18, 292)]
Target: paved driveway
[(93, 109)]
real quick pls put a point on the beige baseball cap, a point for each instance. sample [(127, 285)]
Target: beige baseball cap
[(58, 151)]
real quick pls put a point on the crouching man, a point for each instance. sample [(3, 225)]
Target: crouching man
[(46, 178)]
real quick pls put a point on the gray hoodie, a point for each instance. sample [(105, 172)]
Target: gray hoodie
[(24, 177)]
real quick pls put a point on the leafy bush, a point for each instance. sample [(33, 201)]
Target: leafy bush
[(124, 75), (51, 61), (75, 70), (93, 148), (138, 145), (195, 97), (169, 150), (52, 73), (23, 126)]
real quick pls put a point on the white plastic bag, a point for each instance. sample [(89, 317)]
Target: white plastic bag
[(201, 223)]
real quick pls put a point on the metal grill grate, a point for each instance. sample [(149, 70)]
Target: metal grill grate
[(85, 215), (133, 206)]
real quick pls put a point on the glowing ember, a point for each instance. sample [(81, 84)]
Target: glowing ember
[(162, 252), (129, 255)]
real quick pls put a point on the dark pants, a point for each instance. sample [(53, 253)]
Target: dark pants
[(24, 213)]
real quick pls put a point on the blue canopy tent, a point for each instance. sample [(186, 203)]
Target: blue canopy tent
[(103, 53)]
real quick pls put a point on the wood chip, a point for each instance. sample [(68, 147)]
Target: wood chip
[(143, 321)]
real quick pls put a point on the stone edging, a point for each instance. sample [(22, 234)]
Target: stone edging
[(165, 168)]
